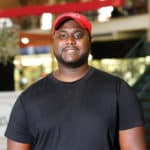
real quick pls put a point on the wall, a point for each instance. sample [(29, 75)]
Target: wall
[(7, 99)]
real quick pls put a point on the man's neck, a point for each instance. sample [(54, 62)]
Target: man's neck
[(67, 74)]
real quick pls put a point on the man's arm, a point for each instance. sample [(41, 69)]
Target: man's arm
[(13, 145), (132, 139)]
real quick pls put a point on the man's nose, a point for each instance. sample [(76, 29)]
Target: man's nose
[(71, 40)]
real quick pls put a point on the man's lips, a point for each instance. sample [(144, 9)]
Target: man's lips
[(71, 49)]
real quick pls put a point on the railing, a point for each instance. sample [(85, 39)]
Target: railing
[(139, 49)]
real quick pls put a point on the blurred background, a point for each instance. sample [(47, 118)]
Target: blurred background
[(120, 45)]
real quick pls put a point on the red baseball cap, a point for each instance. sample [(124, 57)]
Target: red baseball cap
[(82, 20)]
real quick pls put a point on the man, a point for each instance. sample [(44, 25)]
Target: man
[(76, 107)]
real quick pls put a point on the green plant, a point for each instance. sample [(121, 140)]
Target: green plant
[(9, 48)]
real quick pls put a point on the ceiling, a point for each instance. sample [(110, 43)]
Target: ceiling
[(4, 4), (29, 25), (8, 3)]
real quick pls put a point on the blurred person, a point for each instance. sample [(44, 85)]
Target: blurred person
[(76, 107)]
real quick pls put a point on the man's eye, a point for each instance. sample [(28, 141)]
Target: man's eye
[(77, 35), (62, 36)]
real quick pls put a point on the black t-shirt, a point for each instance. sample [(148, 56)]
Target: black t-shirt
[(82, 115)]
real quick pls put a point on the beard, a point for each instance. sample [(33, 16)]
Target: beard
[(73, 64)]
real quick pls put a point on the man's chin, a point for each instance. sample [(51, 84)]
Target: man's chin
[(73, 63)]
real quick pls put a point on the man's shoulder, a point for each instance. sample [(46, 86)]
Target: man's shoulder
[(36, 88), (105, 76)]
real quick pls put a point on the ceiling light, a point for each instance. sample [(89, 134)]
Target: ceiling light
[(46, 21), (104, 13), (25, 40), (6, 23)]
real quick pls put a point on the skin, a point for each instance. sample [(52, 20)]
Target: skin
[(133, 139), (72, 45)]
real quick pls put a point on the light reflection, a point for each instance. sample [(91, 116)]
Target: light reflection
[(46, 21), (128, 69), (25, 40), (104, 13), (6, 23)]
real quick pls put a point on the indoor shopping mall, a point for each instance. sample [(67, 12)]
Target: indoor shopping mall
[(120, 46)]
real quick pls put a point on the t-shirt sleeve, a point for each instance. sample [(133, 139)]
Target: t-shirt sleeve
[(130, 112), (17, 128)]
